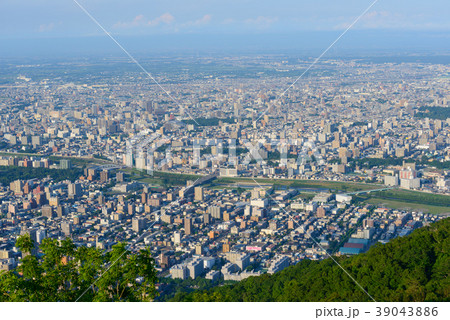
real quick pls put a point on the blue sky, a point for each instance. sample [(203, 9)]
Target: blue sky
[(62, 18)]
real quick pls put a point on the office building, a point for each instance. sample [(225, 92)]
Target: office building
[(195, 268), (74, 190), (187, 226), (138, 224), (104, 176), (198, 196), (215, 212), (65, 164), (179, 271), (279, 264), (47, 211), (177, 237), (66, 228)]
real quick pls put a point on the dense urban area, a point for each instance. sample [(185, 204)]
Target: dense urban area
[(226, 175)]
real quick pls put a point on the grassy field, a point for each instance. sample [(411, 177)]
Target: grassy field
[(408, 206), (20, 154), (81, 161), (160, 178), (75, 160), (395, 199), (313, 184), (407, 199), (417, 197)]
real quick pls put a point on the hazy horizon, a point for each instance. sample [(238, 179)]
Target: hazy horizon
[(55, 28), (366, 43)]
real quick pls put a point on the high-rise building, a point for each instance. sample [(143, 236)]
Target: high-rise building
[(242, 260), (12, 208), (149, 107), (321, 212), (16, 186), (195, 268), (91, 173), (164, 260), (179, 271), (104, 176), (47, 211), (74, 190), (216, 212), (273, 225), (119, 177), (138, 224), (199, 249), (66, 228), (198, 194), (225, 247), (36, 141), (53, 201), (40, 235), (65, 164), (368, 223), (177, 238), (101, 199), (24, 140), (291, 224), (187, 226), (206, 218), (60, 211), (41, 198), (279, 264), (408, 173)]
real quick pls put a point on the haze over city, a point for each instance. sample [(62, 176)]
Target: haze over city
[(222, 151)]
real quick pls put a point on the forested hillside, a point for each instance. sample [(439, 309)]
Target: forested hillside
[(412, 268)]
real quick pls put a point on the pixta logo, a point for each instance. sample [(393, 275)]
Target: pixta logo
[(141, 148)]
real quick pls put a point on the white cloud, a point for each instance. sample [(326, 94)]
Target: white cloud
[(261, 21), (199, 22), (140, 21), (203, 20), (46, 27), (166, 18)]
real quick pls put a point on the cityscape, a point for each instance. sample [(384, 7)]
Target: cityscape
[(224, 167)]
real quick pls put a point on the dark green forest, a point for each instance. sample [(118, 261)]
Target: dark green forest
[(441, 113), (411, 268), (12, 173), (393, 161), (208, 122)]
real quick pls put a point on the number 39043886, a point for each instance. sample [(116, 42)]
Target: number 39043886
[(407, 311)]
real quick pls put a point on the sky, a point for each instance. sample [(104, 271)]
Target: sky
[(46, 19)]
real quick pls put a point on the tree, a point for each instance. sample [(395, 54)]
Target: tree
[(129, 278), (67, 273), (411, 268), (25, 243)]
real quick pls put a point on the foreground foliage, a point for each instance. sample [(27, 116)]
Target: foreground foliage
[(67, 273), (412, 268)]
